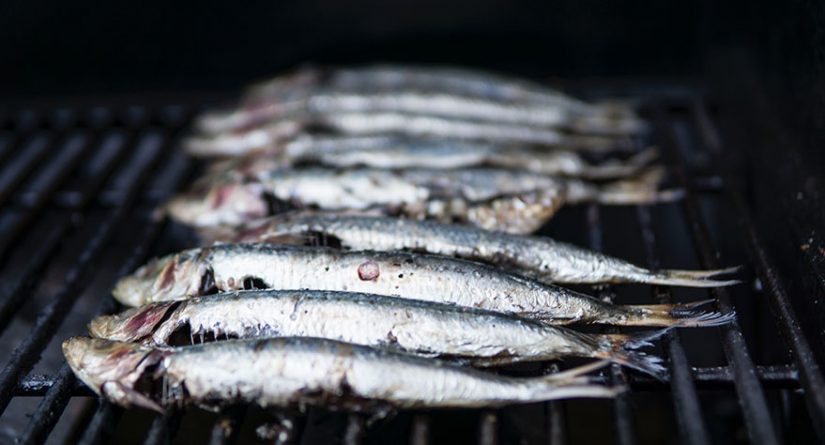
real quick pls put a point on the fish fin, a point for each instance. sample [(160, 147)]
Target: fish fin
[(693, 278), (643, 189), (621, 168), (575, 374), (674, 315), (126, 396), (621, 349)]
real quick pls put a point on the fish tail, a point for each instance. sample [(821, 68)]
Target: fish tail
[(692, 278), (624, 168), (621, 349), (643, 189), (672, 315)]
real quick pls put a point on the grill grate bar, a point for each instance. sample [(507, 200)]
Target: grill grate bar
[(225, 430), (555, 416), (163, 428), (751, 396), (107, 305), (420, 430), (102, 423), (51, 316), (50, 408), (622, 417), (810, 374), (13, 294), (40, 199), (689, 421)]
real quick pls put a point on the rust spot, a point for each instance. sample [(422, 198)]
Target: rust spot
[(368, 271), (230, 283)]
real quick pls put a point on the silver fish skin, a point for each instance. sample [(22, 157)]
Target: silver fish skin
[(538, 257), (423, 328), (230, 267), (284, 372), (444, 105), (394, 152), (460, 81), (490, 198), (287, 127)]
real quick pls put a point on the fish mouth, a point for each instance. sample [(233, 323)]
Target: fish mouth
[(135, 289), (116, 370)]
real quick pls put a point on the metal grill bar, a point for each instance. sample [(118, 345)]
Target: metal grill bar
[(751, 397), (810, 373), (14, 293), (689, 421), (622, 418), (50, 318)]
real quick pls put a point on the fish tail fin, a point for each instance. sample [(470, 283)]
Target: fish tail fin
[(693, 278), (577, 373), (643, 189), (621, 349), (623, 168), (673, 315)]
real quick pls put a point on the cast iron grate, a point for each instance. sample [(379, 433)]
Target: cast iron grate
[(77, 190)]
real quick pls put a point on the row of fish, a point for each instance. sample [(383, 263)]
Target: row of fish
[(405, 262)]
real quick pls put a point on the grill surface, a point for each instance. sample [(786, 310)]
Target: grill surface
[(78, 186)]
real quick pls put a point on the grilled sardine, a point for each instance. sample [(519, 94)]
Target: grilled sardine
[(425, 328), (495, 199), (538, 257), (298, 371), (228, 267)]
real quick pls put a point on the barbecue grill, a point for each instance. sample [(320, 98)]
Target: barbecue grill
[(80, 178)]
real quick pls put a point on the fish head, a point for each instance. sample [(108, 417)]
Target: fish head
[(228, 203), (113, 369), (173, 277), (131, 325)]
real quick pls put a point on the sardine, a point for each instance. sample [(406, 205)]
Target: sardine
[(481, 337), (400, 152), (538, 257), (460, 81), (494, 199), (229, 267), (275, 132), (284, 372), (417, 103)]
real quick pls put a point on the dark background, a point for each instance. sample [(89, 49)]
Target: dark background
[(87, 46)]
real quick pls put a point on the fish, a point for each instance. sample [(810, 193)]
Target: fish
[(228, 267), (293, 124), (489, 198), (459, 81), (538, 257), (288, 372), (393, 152), (480, 337), (418, 103)]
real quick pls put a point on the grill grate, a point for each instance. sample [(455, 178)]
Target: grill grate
[(77, 189)]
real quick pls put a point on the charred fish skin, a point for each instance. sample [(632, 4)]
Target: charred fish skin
[(228, 267), (538, 257), (423, 328), (296, 371), (490, 198)]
